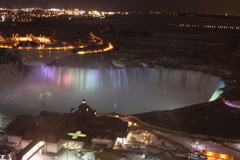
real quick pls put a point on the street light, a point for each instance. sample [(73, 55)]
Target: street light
[(196, 145)]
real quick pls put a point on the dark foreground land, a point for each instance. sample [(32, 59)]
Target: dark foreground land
[(212, 119)]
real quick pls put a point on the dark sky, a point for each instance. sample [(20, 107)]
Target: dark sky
[(203, 6)]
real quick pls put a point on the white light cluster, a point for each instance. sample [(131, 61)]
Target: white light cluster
[(209, 26), (26, 14)]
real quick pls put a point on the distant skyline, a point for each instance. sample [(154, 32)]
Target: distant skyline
[(194, 6)]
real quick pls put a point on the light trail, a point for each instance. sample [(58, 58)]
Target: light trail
[(109, 48)]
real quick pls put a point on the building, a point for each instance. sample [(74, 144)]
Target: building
[(216, 156), (48, 126), (50, 131)]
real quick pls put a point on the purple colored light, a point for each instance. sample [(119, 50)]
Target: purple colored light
[(231, 104)]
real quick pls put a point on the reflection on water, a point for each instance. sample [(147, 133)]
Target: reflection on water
[(130, 90)]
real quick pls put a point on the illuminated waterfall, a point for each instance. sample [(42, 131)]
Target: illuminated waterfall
[(94, 79), (126, 90)]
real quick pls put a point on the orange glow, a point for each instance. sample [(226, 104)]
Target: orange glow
[(100, 42), (214, 155), (82, 46), (31, 38), (24, 39), (41, 47), (209, 153), (43, 40), (5, 46), (110, 47), (15, 39), (97, 38)]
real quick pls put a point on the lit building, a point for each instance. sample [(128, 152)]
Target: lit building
[(50, 131), (216, 156)]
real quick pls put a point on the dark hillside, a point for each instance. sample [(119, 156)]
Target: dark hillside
[(214, 118)]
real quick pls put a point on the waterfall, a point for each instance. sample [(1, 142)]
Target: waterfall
[(126, 90), (94, 79)]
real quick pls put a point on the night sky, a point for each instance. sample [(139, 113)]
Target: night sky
[(195, 6)]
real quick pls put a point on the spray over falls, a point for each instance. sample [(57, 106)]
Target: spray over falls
[(126, 90)]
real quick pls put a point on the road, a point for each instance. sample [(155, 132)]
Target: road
[(189, 142)]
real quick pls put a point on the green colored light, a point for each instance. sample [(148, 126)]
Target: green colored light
[(215, 95), (77, 134)]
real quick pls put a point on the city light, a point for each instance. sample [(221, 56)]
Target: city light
[(72, 146), (207, 26), (28, 14), (209, 154), (49, 55), (49, 44)]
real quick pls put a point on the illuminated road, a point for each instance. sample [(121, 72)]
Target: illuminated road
[(144, 136), (99, 42), (191, 142), (45, 43)]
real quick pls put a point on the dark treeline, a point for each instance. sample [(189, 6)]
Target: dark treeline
[(13, 58)]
